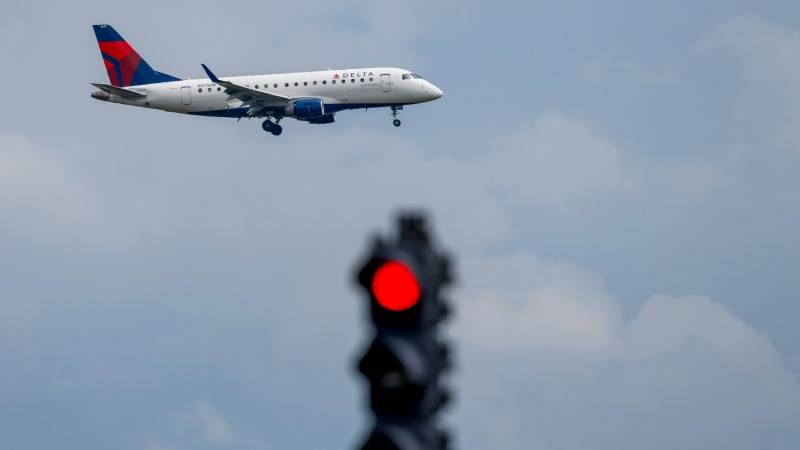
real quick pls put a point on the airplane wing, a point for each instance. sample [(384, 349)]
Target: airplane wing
[(118, 91), (256, 101)]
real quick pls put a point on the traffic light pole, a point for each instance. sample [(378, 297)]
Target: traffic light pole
[(403, 278)]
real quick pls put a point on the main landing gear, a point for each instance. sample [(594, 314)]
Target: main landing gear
[(396, 122), (272, 127)]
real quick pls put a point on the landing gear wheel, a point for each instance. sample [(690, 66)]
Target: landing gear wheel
[(272, 127), (396, 122)]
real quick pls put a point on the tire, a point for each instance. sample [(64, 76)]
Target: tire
[(276, 130), (397, 122), (267, 126)]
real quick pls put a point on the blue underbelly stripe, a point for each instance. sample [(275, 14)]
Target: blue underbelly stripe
[(329, 108)]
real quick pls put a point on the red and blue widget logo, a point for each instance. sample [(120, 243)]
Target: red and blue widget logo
[(121, 62), (124, 65)]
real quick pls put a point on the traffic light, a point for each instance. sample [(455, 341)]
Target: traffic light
[(403, 279)]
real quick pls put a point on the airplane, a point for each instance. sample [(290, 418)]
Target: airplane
[(313, 97)]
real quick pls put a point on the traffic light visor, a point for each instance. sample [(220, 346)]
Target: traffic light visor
[(395, 287)]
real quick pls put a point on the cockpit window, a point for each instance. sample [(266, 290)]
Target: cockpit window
[(417, 76), (406, 76), (409, 76)]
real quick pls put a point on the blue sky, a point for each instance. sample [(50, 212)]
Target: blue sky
[(618, 183)]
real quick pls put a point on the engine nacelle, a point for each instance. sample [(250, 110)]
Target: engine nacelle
[(327, 118), (307, 108)]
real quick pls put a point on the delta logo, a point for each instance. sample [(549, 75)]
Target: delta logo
[(353, 75)]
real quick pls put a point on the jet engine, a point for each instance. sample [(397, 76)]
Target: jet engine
[(305, 109)]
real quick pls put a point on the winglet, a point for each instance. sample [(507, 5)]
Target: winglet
[(210, 74)]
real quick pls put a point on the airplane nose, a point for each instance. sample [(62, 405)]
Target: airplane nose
[(432, 92)]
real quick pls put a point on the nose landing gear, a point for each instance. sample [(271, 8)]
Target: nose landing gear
[(396, 122), (272, 127)]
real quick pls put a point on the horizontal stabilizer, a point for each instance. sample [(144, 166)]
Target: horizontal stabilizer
[(119, 92)]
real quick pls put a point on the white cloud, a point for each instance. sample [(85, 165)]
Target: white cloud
[(370, 34), (551, 162), (767, 50), (40, 191), (667, 325), (234, 246), (213, 427), (556, 159), (197, 425), (545, 348), (547, 363), (767, 54), (522, 303)]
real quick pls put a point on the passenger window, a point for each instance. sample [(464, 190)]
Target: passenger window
[(315, 83), (256, 86), (219, 89), (286, 84), (370, 80), (352, 80), (275, 85), (334, 81), (200, 90), (324, 81), (209, 89), (295, 83)]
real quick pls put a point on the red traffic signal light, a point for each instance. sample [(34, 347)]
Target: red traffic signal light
[(395, 286)]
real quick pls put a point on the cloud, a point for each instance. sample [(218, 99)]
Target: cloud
[(556, 159), (766, 53), (211, 425), (232, 257), (767, 50), (683, 372), (197, 425), (231, 252), (520, 303), (41, 192), (338, 35)]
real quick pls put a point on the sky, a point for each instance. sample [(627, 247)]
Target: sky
[(617, 183)]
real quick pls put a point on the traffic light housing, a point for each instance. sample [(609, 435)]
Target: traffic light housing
[(403, 374), (403, 279)]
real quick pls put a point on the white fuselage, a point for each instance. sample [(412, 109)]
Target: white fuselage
[(338, 89)]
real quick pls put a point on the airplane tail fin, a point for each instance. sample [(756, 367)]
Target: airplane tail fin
[(124, 65)]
